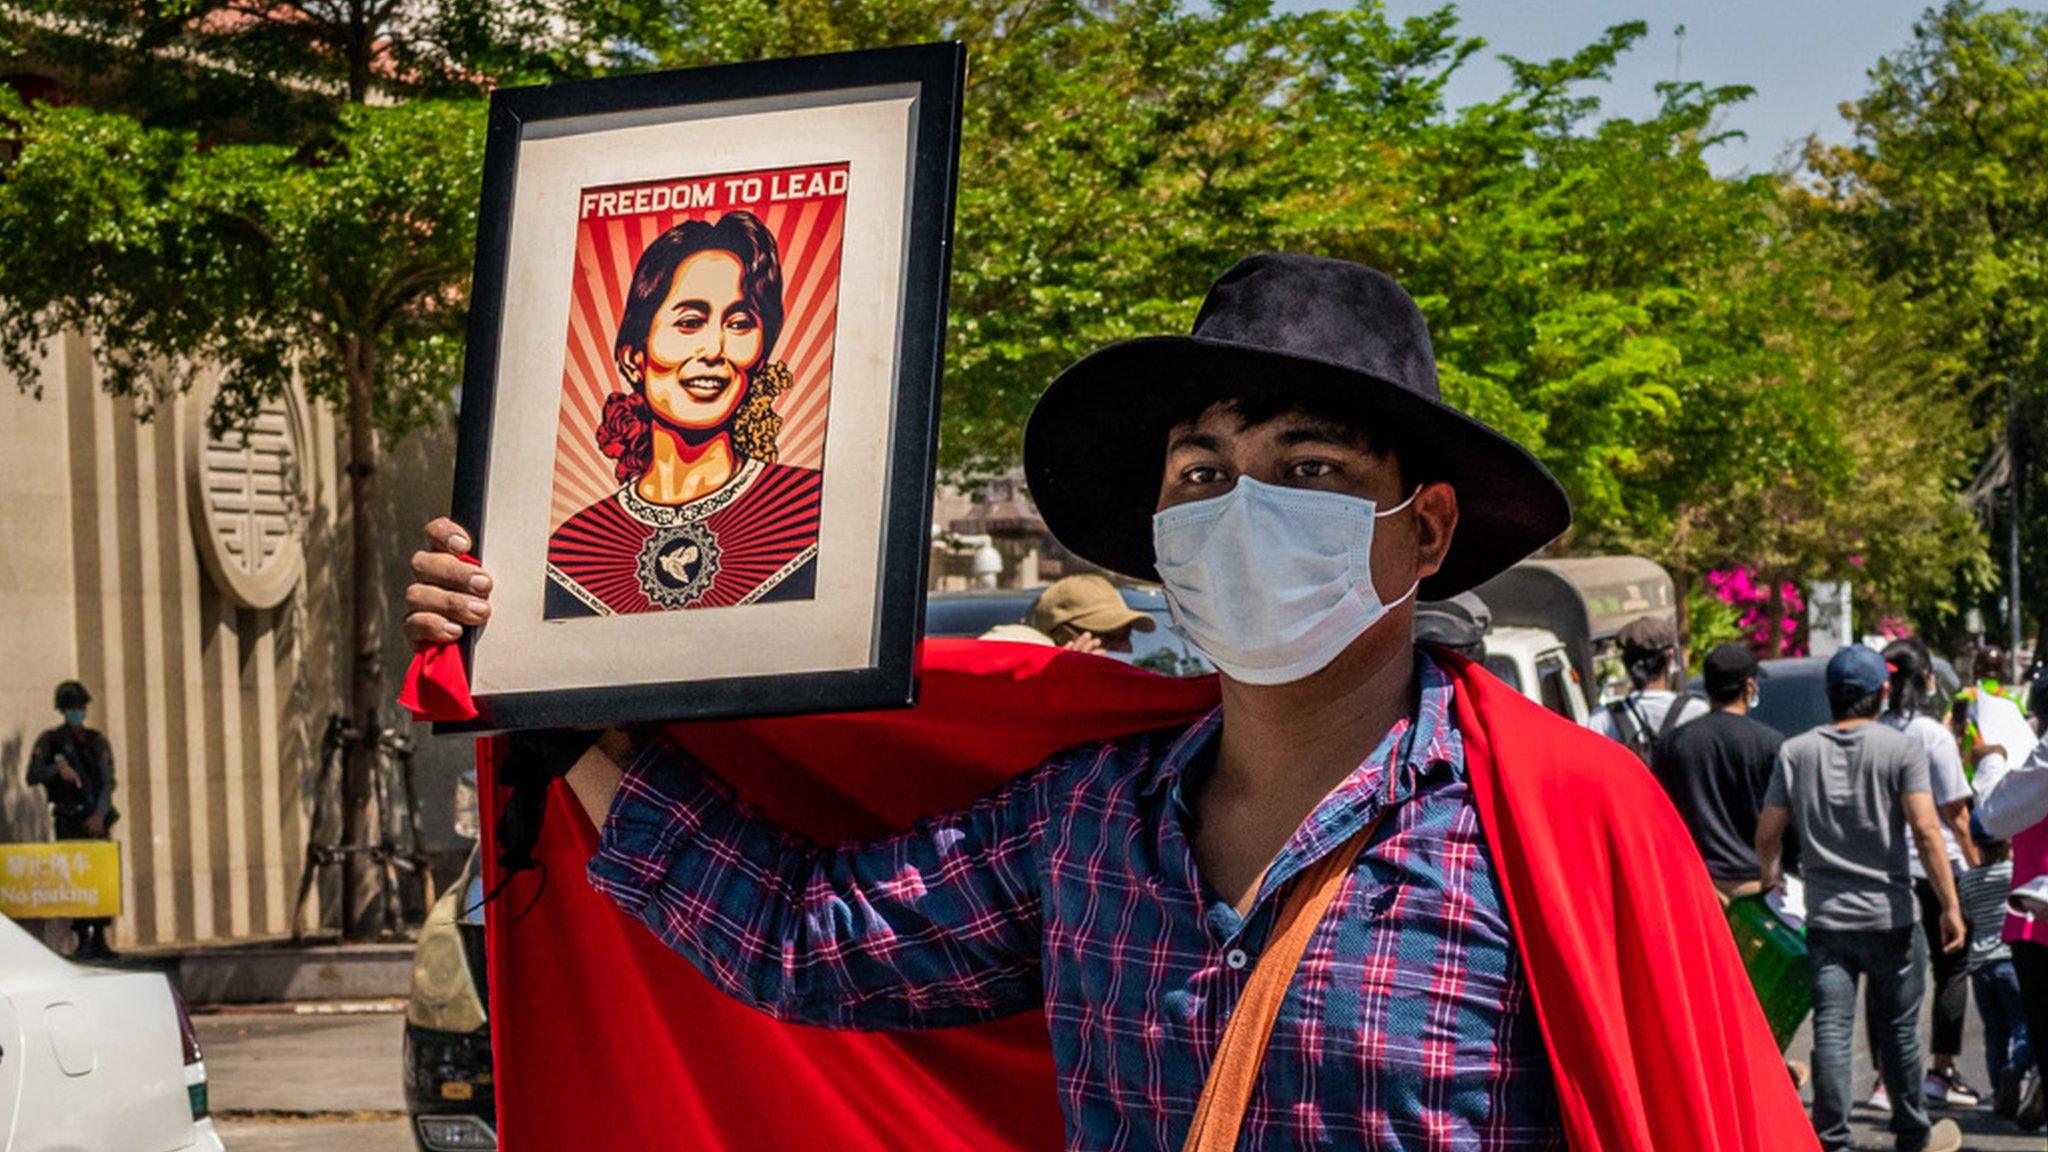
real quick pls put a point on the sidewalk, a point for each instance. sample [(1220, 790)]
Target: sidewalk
[(281, 970), (290, 1081)]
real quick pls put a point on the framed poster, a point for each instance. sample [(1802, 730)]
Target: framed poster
[(699, 408)]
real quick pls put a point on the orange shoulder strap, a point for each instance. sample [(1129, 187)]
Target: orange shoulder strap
[(1228, 1091)]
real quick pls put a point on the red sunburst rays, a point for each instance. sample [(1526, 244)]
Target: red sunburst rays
[(808, 232)]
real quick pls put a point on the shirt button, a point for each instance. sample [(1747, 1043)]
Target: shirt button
[(1236, 958)]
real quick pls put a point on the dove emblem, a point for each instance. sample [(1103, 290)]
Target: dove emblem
[(678, 564)]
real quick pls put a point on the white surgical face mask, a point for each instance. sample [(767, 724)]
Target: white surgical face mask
[(1271, 583)]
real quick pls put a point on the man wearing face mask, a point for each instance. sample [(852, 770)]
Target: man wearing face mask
[(1717, 768), (1368, 902), (74, 766), (1652, 710)]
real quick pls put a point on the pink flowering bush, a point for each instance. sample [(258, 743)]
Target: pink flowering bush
[(1739, 589)]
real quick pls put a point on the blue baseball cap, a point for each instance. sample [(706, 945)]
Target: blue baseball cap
[(1856, 669)]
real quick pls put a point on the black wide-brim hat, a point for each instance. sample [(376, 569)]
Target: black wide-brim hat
[(1289, 326)]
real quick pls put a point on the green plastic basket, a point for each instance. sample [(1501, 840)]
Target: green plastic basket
[(1774, 955)]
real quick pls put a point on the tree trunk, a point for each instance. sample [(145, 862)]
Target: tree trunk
[(1775, 598), (362, 822), (2010, 674), (362, 45), (1681, 581)]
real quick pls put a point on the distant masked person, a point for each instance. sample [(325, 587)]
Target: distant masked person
[(1717, 769), (1652, 708), (74, 766), (1081, 613), (1911, 709)]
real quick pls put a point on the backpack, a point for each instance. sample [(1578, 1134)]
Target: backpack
[(1633, 728)]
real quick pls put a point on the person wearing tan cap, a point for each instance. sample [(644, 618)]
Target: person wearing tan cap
[(1086, 613), (1655, 704)]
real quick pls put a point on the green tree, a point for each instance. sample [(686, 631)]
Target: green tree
[(345, 262), (314, 230), (1945, 190), (1694, 356)]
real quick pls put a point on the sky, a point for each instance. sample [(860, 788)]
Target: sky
[(1803, 57)]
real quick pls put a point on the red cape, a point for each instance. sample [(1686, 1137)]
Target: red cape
[(605, 1039)]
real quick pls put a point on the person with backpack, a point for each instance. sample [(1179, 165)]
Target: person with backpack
[(1649, 651)]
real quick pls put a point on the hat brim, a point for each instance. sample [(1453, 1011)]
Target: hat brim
[(1101, 620), (1095, 450)]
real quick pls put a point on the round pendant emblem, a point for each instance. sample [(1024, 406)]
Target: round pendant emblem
[(678, 564)]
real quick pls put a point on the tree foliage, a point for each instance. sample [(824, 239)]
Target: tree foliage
[(1944, 195), (255, 259), (1709, 364)]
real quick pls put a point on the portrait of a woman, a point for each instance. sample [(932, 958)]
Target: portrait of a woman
[(704, 515)]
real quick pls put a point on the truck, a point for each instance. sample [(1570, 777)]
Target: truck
[(1547, 624)]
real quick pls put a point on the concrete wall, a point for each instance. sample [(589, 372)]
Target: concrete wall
[(40, 646)]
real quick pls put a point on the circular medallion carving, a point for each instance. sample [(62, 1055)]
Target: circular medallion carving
[(248, 499)]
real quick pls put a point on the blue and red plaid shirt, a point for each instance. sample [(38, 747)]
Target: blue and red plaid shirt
[(1072, 889)]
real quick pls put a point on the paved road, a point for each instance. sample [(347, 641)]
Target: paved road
[(305, 1064), (287, 1083), (315, 1136), (1982, 1132)]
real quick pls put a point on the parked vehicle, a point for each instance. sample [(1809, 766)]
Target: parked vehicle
[(1164, 649), (448, 1083), (1536, 663), (95, 1058), (1583, 601), (1792, 692)]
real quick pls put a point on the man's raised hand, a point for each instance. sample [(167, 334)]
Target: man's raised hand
[(447, 592)]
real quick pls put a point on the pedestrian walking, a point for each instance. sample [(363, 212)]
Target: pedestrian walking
[(1717, 769), (1284, 924), (1653, 705), (74, 766), (2001, 1007), (1855, 790), (1910, 708), (2012, 803)]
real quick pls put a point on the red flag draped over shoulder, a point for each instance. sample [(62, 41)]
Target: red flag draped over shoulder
[(1655, 1037), (605, 1039)]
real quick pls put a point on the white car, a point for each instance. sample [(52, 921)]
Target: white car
[(94, 1059)]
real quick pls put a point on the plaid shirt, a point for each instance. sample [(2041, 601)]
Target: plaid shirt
[(1072, 889)]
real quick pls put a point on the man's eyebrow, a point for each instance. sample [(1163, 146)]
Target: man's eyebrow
[(1320, 432), (1193, 441)]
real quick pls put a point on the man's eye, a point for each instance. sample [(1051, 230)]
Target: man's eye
[(1312, 469), (1203, 474)]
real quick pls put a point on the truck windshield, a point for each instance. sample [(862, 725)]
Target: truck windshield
[(1554, 680)]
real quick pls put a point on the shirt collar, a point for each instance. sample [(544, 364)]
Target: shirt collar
[(1400, 763)]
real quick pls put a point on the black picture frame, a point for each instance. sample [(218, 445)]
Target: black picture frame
[(937, 72)]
